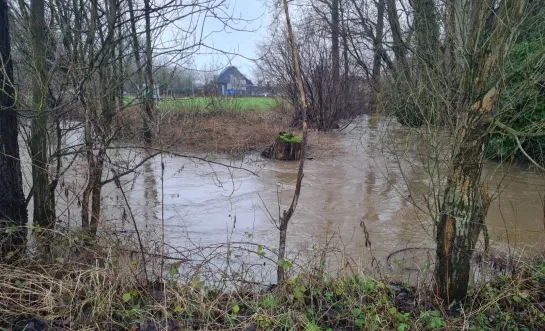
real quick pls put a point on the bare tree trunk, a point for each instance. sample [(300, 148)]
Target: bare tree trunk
[(463, 213), (107, 74), (335, 26), (96, 196), (148, 100), (136, 47), (12, 199), (287, 214), (465, 200), (344, 34), (119, 74), (116, 74), (90, 118), (336, 59), (347, 93), (377, 52), (139, 74), (43, 210), (399, 48), (427, 32), (377, 44), (120, 68)]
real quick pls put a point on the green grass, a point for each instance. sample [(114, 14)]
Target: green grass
[(216, 104)]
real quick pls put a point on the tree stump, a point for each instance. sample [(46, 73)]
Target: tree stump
[(287, 147)]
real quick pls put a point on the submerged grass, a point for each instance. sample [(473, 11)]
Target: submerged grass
[(113, 298)]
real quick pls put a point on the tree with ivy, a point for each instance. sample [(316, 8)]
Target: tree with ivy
[(521, 116), (470, 83)]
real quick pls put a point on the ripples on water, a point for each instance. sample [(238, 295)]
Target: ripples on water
[(350, 179)]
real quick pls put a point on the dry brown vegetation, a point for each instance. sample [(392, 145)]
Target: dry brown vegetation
[(229, 132), (109, 293)]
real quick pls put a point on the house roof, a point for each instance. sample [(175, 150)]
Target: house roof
[(226, 74)]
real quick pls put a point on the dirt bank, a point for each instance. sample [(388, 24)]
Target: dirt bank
[(227, 132)]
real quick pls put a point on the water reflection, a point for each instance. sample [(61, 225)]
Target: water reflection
[(348, 181)]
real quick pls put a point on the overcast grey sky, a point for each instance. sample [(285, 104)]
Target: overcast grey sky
[(235, 41)]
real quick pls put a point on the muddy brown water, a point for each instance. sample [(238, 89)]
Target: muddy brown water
[(348, 182)]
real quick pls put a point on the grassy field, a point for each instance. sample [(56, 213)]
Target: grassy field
[(213, 104)]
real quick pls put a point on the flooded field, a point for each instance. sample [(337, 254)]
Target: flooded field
[(349, 182)]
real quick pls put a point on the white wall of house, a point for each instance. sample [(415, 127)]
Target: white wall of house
[(236, 83)]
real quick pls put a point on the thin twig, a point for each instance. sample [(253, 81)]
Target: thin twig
[(118, 184)]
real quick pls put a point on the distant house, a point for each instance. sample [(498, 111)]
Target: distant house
[(264, 89), (233, 82)]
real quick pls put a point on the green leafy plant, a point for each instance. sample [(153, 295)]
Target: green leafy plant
[(290, 138), (235, 310), (284, 264), (130, 295), (268, 302), (311, 326), (127, 297), (299, 292), (433, 320), (260, 251), (174, 270)]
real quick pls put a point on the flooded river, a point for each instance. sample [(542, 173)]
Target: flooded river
[(347, 183)]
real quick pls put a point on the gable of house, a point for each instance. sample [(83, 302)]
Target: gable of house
[(233, 78)]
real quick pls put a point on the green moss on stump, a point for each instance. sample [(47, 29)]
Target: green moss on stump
[(287, 147), (290, 138)]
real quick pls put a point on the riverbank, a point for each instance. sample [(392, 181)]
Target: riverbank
[(227, 131), (232, 126), (63, 296)]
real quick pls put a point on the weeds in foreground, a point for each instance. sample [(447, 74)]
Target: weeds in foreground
[(112, 297)]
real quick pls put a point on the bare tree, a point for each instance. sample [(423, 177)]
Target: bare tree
[(377, 45), (150, 87), (366, 35), (13, 214), (43, 207), (455, 105), (330, 97), (136, 49), (399, 46), (287, 214), (466, 201)]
